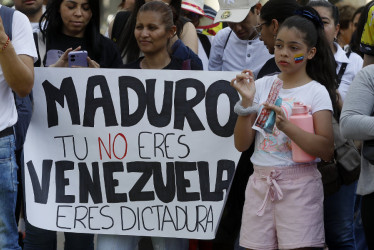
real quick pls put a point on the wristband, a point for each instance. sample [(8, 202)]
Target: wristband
[(241, 111), (5, 45)]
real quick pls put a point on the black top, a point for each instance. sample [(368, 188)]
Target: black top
[(175, 64), (109, 58), (269, 68)]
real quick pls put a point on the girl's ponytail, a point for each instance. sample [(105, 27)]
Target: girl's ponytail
[(322, 67)]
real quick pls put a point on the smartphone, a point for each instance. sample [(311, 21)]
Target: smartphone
[(78, 58)]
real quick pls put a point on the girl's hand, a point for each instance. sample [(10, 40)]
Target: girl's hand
[(245, 85), (63, 60), (92, 63), (281, 119)]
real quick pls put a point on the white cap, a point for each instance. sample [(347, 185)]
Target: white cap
[(234, 10)]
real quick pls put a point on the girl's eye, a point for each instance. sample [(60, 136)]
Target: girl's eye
[(278, 46), (294, 48)]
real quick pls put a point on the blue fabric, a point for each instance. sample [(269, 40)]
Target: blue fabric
[(125, 242), (24, 110), (339, 218), (8, 194), (41, 239), (359, 228), (181, 51)]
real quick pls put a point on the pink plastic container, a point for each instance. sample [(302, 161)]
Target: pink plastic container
[(301, 118)]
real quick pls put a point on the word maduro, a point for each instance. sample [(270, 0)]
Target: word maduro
[(90, 185), (146, 103)]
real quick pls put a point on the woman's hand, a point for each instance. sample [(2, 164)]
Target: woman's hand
[(63, 60), (281, 119), (92, 63), (245, 85)]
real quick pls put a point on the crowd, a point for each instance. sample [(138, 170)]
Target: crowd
[(318, 56)]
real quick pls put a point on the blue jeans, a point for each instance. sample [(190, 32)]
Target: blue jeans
[(126, 242), (339, 218), (41, 239), (8, 194), (359, 228)]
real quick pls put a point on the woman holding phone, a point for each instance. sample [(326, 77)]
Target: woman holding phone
[(74, 26)]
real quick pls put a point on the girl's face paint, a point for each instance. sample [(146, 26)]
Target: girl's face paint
[(299, 58)]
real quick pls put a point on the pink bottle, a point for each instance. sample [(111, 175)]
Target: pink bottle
[(301, 118)]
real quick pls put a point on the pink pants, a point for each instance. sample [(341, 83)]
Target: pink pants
[(283, 208)]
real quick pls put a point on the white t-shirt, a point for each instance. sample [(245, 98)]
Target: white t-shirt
[(354, 65), (237, 54), (23, 43), (275, 148)]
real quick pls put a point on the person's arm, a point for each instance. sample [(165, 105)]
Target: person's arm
[(18, 70), (189, 37), (110, 28), (320, 144), (243, 132), (356, 119)]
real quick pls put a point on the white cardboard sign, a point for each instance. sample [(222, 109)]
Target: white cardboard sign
[(132, 152)]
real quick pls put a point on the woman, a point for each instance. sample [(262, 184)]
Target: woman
[(153, 30), (75, 25), (356, 123), (123, 33), (339, 206), (153, 35), (70, 24)]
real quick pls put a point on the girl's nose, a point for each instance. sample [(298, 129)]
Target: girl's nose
[(78, 11)]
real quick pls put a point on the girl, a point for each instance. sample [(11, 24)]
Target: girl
[(339, 207), (153, 31), (284, 199), (272, 15), (75, 24)]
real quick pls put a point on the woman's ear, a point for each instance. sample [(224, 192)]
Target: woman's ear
[(172, 31), (275, 24)]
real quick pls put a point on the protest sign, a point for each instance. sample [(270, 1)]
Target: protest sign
[(133, 152)]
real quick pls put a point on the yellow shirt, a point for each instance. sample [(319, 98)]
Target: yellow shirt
[(367, 38)]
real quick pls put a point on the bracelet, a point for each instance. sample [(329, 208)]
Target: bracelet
[(241, 111), (6, 44)]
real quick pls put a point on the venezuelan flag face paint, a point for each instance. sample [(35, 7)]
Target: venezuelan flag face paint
[(299, 58)]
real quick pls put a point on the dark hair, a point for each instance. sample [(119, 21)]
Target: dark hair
[(127, 42), (356, 36), (278, 9), (346, 12), (53, 25), (163, 9), (326, 4), (322, 67), (358, 11)]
